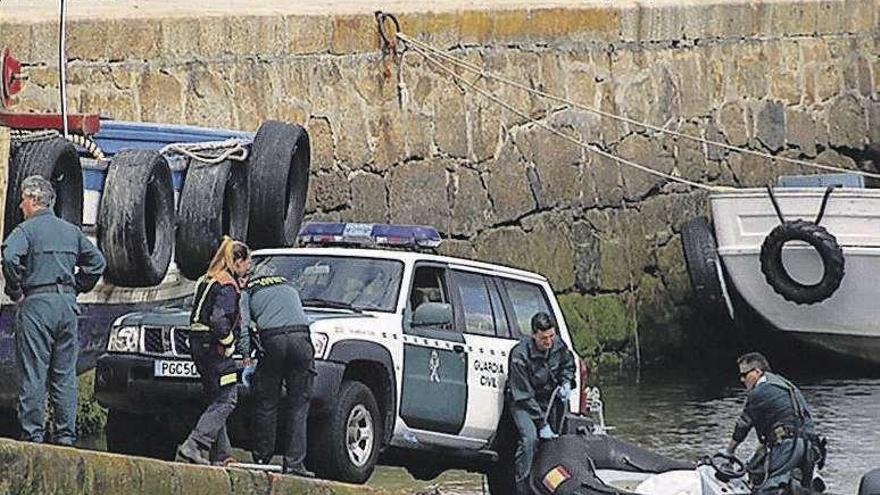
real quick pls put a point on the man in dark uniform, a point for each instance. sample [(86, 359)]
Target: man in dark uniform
[(777, 411), (538, 365), (282, 335), (39, 260)]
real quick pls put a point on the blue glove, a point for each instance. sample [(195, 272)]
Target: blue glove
[(565, 392), (546, 433), (723, 452), (247, 374)]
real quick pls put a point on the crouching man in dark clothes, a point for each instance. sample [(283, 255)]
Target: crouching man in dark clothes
[(538, 365), (777, 411), (282, 336)]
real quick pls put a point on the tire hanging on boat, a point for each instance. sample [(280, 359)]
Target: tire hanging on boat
[(702, 262), (278, 173), (213, 202), (826, 246), (136, 219), (55, 159)]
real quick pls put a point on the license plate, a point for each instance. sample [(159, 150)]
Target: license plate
[(175, 369)]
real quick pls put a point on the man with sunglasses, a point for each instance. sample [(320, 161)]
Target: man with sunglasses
[(777, 410)]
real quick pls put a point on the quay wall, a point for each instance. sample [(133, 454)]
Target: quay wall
[(393, 139)]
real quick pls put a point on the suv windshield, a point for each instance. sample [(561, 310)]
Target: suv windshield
[(337, 281)]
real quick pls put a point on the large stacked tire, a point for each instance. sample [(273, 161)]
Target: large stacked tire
[(136, 219), (278, 170), (213, 203), (55, 159)]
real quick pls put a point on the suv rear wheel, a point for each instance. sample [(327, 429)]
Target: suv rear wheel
[(345, 445)]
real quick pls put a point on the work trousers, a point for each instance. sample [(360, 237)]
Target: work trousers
[(289, 359), (219, 385), (525, 448), (772, 473), (47, 345)]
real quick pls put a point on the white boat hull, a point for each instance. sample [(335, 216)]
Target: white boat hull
[(848, 322)]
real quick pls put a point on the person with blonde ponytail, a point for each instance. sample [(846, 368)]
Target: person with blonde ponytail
[(214, 325)]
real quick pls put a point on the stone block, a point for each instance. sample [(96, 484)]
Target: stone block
[(208, 98), (583, 78), (575, 310), (475, 26), (857, 75), (874, 123), (783, 59), (585, 239), (161, 96), (671, 264), (44, 43), (847, 122), (252, 92), (109, 102), (457, 249), (614, 273), (419, 194), (611, 130), (471, 208), (387, 132), (770, 125), (690, 157), (369, 198), (350, 129), (751, 170), (125, 39), (321, 141), (213, 37), (648, 153), (750, 75), (441, 29), (17, 37), (418, 134), (800, 131), (606, 176), (450, 122), (688, 72), (555, 162), (653, 215), (329, 191), (831, 157), (508, 185), (509, 24), (308, 34), (484, 119), (180, 38), (250, 35), (354, 34)]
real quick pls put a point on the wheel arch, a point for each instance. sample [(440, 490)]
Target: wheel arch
[(372, 365)]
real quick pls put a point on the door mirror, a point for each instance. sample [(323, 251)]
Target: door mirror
[(432, 314)]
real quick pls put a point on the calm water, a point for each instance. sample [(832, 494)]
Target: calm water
[(686, 416)]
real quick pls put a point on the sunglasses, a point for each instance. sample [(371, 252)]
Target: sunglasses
[(744, 373)]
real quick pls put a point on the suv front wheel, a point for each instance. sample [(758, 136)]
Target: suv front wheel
[(345, 445)]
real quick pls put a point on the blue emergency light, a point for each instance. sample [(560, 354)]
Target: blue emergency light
[(370, 234)]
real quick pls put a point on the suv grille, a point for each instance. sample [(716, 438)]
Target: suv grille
[(166, 341)]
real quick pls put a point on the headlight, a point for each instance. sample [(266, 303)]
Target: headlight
[(124, 339), (319, 341)]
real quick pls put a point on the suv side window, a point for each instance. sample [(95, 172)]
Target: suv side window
[(429, 286), (476, 303), (526, 300)]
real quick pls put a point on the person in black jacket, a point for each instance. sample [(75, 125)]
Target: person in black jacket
[(538, 365), (214, 324), (778, 412)]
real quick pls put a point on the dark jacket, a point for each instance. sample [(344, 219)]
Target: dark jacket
[(216, 309), (44, 250), (274, 303), (772, 403), (533, 375)]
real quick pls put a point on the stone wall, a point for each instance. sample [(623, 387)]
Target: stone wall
[(394, 140)]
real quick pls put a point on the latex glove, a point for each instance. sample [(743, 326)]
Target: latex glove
[(723, 452), (564, 392), (546, 433), (247, 374)]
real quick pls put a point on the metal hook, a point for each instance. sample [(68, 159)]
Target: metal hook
[(387, 44)]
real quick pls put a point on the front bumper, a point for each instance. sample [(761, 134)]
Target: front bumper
[(126, 382)]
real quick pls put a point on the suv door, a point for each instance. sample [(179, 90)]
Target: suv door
[(434, 390), (482, 319)]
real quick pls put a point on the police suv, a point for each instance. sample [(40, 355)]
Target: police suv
[(411, 354)]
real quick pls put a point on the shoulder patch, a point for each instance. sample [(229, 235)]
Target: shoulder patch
[(265, 282)]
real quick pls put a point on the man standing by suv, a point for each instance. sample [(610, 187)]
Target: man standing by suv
[(539, 365), (39, 260), (282, 336)]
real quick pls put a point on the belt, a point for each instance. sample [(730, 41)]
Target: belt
[(780, 433), (50, 289), (285, 329)]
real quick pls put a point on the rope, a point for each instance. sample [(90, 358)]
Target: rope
[(490, 75), (28, 136), (231, 149), (88, 144), (546, 126)]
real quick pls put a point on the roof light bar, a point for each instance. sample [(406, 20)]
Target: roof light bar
[(370, 234)]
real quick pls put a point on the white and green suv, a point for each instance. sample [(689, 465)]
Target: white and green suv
[(411, 353)]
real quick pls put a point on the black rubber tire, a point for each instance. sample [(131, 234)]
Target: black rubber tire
[(279, 181), (55, 159), (825, 245), (213, 202), (870, 483), (328, 454), (701, 259), (138, 434), (136, 219)]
